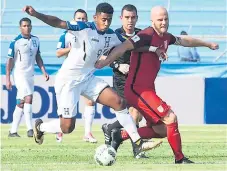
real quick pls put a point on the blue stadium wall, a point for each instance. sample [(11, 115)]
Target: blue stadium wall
[(215, 103)]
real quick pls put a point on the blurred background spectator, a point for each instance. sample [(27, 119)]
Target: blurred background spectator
[(189, 54)]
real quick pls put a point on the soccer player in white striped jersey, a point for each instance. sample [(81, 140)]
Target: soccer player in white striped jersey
[(76, 76), (63, 48), (24, 50)]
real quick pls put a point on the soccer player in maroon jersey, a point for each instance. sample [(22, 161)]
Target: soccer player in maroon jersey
[(144, 67)]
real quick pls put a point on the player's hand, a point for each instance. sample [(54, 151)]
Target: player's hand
[(123, 68), (213, 46), (100, 64), (29, 10), (8, 85), (47, 77), (161, 54)]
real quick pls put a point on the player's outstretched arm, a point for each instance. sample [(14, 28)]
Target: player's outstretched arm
[(114, 54), (48, 19), (188, 41)]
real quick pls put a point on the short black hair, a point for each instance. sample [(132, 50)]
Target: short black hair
[(25, 19), (183, 33), (80, 10), (129, 7), (104, 8)]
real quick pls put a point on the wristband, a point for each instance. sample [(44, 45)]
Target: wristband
[(152, 49)]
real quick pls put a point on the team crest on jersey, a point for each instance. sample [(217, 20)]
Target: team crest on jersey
[(135, 38), (160, 109)]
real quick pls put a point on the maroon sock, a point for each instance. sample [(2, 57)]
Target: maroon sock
[(144, 132), (148, 133)]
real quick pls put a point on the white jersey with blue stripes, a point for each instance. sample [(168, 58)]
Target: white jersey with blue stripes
[(88, 46), (24, 52)]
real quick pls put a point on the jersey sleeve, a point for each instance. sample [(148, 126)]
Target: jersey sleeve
[(120, 37), (79, 25), (61, 42), (11, 50), (142, 38), (172, 39)]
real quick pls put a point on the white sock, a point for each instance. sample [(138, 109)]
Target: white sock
[(52, 126), (127, 122), (28, 115), (17, 115), (89, 113)]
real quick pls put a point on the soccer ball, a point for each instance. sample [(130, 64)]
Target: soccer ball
[(105, 155)]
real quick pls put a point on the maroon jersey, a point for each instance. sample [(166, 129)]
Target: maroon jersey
[(144, 66)]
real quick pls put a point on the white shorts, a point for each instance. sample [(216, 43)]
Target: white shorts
[(68, 93), (24, 85)]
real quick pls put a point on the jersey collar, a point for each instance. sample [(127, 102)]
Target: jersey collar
[(26, 37), (126, 34), (99, 32)]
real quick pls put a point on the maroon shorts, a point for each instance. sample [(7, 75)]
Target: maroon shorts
[(147, 102)]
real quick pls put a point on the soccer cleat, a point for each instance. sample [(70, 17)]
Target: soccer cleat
[(59, 137), (38, 135), (89, 138), (116, 138), (30, 133), (139, 146), (13, 135), (107, 134), (184, 160), (141, 155)]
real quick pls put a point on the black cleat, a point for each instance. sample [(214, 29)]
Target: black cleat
[(184, 160), (38, 135), (30, 133), (139, 146), (107, 134), (141, 155), (13, 135), (116, 138)]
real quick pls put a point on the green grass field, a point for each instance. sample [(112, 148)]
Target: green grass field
[(206, 145)]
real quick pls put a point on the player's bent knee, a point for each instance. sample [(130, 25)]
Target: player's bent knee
[(67, 129), (68, 126), (170, 117), (119, 104)]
